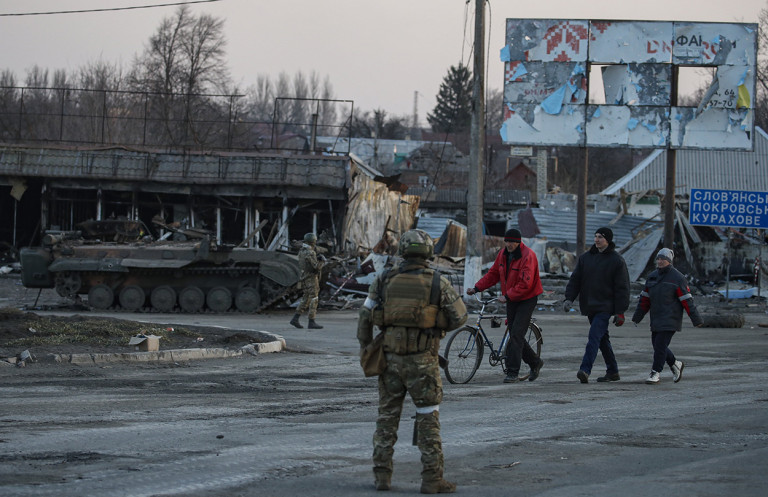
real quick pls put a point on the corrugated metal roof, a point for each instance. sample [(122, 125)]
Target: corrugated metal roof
[(434, 226), (491, 198), (560, 226), (704, 169), (191, 168), (374, 151)]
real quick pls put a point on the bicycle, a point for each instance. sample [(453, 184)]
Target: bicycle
[(466, 345)]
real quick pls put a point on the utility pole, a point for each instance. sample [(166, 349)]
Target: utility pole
[(474, 258), (669, 186), (581, 204)]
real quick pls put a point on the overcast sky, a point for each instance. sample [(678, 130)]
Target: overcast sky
[(376, 53)]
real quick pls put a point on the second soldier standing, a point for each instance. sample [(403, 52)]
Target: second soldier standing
[(310, 267)]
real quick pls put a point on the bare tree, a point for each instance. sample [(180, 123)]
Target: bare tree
[(328, 110), (761, 97), (261, 99), (184, 59), (299, 113), (36, 77), (377, 124), (494, 110), (9, 105), (7, 78), (99, 110)]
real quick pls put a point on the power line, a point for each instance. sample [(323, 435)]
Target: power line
[(111, 9)]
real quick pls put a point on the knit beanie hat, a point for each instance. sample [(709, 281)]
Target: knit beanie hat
[(607, 234), (666, 254), (512, 235)]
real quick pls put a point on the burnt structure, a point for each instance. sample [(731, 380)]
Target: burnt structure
[(247, 199)]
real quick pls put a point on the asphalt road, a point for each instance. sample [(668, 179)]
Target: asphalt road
[(300, 422)]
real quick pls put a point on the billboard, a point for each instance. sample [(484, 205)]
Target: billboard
[(548, 65)]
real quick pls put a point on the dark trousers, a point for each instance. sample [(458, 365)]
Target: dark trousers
[(661, 352), (518, 318), (599, 340)]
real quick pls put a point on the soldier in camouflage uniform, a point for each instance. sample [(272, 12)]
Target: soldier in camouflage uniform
[(414, 306), (310, 281)]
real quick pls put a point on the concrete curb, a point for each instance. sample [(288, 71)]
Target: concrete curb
[(277, 344)]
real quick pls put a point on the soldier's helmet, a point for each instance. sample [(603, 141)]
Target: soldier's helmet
[(416, 243), (310, 238)]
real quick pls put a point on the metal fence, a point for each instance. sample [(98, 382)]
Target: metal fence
[(131, 118)]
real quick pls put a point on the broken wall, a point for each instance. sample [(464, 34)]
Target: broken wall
[(372, 211)]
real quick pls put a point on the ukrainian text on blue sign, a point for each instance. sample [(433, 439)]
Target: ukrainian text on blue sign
[(734, 209)]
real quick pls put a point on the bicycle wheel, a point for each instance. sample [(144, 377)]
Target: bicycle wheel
[(464, 352), (534, 338)]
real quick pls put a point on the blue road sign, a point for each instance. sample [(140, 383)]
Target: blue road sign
[(729, 208)]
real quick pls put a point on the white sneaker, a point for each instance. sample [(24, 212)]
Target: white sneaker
[(653, 378), (677, 371)]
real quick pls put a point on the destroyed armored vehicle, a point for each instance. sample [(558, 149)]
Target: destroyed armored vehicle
[(189, 276)]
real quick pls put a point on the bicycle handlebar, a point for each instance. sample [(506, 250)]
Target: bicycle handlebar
[(484, 302)]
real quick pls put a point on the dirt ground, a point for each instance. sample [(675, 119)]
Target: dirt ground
[(41, 335)]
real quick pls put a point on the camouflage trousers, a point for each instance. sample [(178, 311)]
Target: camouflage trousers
[(418, 375), (311, 289)]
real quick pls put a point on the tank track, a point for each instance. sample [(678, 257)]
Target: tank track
[(275, 294)]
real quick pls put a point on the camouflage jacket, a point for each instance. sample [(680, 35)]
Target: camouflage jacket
[(308, 263), (450, 303)]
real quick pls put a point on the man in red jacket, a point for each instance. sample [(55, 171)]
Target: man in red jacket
[(517, 269)]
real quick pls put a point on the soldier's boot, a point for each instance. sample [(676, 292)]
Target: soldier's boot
[(384, 439), (313, 325), (295, 321), (383, 480), (431, 448), (437, 487)]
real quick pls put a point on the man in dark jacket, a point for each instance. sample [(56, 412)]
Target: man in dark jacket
[(517, 269), (601, 281), (666, 294)]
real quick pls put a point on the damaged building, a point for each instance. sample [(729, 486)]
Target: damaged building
[(248, 199)]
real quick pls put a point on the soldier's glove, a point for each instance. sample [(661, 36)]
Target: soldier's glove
[(618, 319), (567, 305)]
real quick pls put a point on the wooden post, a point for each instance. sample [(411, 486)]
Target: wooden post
[(581, 206), (669, 200), (474, 259)]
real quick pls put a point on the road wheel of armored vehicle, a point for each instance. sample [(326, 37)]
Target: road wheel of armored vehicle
[(67, 283), (247, 300), (101, 297), (219, 299), (163, 298), (191, 299), (132, 298)]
